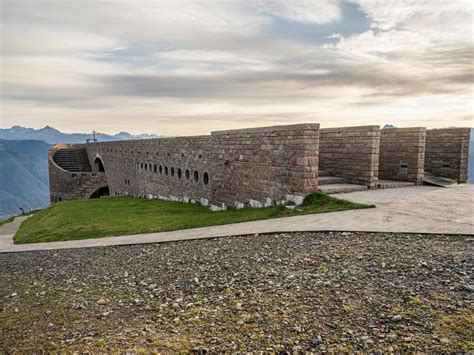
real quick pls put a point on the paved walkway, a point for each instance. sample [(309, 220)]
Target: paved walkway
[(422, 209)]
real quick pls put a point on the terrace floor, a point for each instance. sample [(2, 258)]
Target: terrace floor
[(420, 209)]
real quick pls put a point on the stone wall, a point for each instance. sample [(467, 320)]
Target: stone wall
[(402, 154), (447, 152), (253, 167), (166, 167), (351, 153)]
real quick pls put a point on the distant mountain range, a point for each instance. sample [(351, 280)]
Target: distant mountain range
[(23, 176), (52, 136)]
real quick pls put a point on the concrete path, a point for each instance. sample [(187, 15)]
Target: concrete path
[(422, 209)]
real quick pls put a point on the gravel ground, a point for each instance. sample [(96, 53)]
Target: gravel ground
[(300, 291)]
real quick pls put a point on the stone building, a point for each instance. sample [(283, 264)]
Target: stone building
[(257, 166)]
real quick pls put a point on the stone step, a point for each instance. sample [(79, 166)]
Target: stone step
[(74, 160), (391, 184), (330, 180), (341, 188), (323, 173)]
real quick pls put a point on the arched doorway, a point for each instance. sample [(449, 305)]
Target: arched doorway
[(102, 191), (98, 165)]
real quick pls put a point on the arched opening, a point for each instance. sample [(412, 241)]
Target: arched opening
[(205, 178), (102, 191), (98, 165)]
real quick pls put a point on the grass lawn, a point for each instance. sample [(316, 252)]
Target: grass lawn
[(114, 216)]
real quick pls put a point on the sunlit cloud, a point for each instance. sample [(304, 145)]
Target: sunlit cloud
[(190, 67)]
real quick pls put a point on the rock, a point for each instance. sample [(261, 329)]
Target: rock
[(444, 341), (396, 318), (238, 306), (14, 294), (316, 342), (102, 301), (469, 288)]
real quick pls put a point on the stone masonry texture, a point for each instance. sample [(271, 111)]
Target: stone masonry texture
[(447, 152), (258, 166), (402, 154), (351, 153), (254, 167)]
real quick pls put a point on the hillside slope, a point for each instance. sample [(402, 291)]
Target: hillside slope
[(23, 176)]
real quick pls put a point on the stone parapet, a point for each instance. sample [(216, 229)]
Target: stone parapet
[(266, 164)]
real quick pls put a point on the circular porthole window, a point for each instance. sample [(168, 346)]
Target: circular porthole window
[(179, 173), (172, 171), (196, 176), (166, 170), (160, 169), (187, 174), (205, 178)]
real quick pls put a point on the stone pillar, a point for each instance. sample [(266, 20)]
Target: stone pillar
[(402, 154), (351, 153), (447, 152)]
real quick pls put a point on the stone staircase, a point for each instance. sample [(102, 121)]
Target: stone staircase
[(390, 184), (72, 159), (88, 187), (334, 185)]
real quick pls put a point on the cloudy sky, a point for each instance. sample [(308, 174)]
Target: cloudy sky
[(177, 67)]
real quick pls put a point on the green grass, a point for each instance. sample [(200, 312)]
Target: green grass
[(114, 216)]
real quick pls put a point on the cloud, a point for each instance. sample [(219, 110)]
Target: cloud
[(305, 11), (185, 67)]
